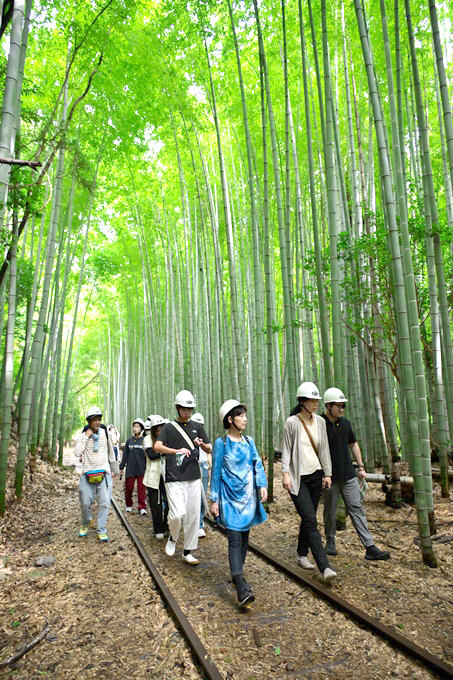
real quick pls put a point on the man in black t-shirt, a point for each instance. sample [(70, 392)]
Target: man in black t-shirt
[(344, 480), (182, 474)]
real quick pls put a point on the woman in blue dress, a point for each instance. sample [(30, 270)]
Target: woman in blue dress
[(238, 489)]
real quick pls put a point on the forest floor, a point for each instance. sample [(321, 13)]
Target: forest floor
[(108, 621)]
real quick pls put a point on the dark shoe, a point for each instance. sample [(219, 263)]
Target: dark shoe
[(330, 547), (244, 591), (373, 553)]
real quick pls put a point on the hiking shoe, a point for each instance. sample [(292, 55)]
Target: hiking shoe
[(170, 547), (304, 562), (103, 538), (128, 509), (244, 591), (83, 530), (190, 559), (201, 532), (143, 511), (329, 575), (373, 553), (159, 536), (330, 547)]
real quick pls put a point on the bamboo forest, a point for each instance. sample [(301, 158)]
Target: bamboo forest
[(229, 198)]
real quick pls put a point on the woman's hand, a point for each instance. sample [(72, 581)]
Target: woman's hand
[(286, 481), (214, 508), (263, 494), (326, 482)]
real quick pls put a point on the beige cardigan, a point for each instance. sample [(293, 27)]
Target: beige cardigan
[(291, 455)]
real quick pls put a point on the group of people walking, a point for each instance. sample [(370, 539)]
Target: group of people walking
[(172, 459)]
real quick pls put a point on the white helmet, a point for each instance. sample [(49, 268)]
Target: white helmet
[(227, 407), (156, 420), (140, 422), (308, 390), (185, 398), (333, 394), (198, 418), (147, 425), (92, 412)]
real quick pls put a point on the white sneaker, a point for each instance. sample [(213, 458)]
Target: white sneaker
[(128, 509), (159, 537), (190, 559), (329, 575), (170, 547), (304, 562), (201, 533), (143, 511)]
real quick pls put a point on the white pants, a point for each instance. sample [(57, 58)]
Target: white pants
[(184, 509)]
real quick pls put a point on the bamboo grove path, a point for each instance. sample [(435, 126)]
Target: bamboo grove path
[(296, 628)]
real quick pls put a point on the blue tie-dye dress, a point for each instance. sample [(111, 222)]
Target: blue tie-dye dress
[(237, 473)]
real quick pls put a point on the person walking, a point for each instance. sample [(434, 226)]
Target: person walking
[(344, 479), (153, 478), (180, 441), (94, 450), (306, 468), (238, 489), (115, 437), (205, 462), (134, 460)]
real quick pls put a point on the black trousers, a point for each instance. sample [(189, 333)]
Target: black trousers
[(159, 508), (306, 504), (238, 542)]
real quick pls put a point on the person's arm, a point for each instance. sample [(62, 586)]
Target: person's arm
[(202, 440), (160, 447), (152, 455), (260, 473), (217, 464), (357, 455), (324, 454), (81, 445), (286, 455), (111, 452), (125, 456)]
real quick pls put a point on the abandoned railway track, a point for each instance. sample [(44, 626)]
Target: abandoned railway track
[(298, 627)]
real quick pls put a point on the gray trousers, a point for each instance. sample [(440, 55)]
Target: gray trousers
[(87, 493), (351, 495)]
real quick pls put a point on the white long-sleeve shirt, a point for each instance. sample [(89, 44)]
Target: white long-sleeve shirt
[(298, 455), (95, 460)]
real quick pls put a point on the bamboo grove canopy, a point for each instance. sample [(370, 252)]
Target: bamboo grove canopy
[(230, 198)]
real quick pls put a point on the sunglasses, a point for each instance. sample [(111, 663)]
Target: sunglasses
[(342, 406)]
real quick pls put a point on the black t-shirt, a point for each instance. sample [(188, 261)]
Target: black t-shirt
[(340, 435), (189, 469), (134, 457)]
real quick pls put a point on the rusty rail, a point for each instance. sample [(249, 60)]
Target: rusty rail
[(200, 652), (386, 632)]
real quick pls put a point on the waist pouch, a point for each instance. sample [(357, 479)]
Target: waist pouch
[(95, 476)]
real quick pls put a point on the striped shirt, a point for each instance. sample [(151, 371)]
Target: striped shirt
[(95, 460)]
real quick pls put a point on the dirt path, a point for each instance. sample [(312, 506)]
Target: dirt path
[(109, 622)]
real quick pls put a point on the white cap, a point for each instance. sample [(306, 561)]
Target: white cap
[(147, 425), (198, 418), (185, 398), (308, 390), (333, 394), (228, 406), (92, 412), (140, 422)]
